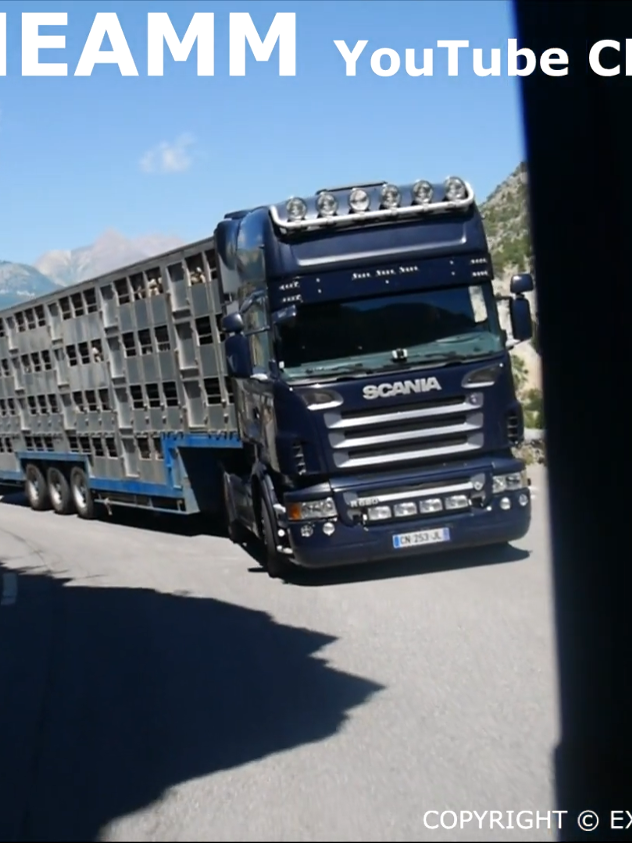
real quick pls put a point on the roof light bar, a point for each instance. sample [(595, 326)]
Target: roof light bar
[(327, 204), (382, 202)]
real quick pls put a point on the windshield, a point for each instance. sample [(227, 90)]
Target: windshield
[(386, 331)]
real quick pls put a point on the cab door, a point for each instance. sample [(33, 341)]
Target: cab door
[(257, 411)]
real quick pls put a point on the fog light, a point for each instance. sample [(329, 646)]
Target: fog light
[(475, 399), (456, 502), (515, 480), (523, 500), (307, 530), (505, 503), (431, 505), (379, 513), (328, 528), (401, 510)]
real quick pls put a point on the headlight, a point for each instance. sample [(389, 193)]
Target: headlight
[(431, 505), (359, 200), (422, 192), (403, 510), (457, 502), (379, 513), (327, 204), (510, 482), (455, 189), (296, 209), (312, 510), (320, 399), (390, 196)]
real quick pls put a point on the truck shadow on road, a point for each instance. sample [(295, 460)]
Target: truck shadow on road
[(408, 566), (419, 565), (140, 692)]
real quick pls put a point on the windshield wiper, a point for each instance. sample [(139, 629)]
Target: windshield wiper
[(449, 358), (343, 367)]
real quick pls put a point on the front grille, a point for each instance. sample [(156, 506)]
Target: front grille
[(358, 501), (425, 430)]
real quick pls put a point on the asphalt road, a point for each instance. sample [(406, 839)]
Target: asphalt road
[(155, 685)]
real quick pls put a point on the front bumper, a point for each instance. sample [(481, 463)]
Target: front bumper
[(357, 544)]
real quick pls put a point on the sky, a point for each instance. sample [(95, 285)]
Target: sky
[(172, 154)]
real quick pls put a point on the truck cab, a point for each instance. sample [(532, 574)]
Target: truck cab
[(371, 375)]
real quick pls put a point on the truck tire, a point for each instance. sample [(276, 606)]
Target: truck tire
[(59, 491), (275, 564), (36, 488), (81, 494)]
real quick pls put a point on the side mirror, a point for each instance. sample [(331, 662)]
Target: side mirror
[(233, 323), (522, 283), (238, 355), (521, 322)]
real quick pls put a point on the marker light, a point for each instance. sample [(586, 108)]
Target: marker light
[(320, 399), (390, 196), (327, 205), (422, 192), (296, 209), (359, 200), (455, 189), (486, 376)]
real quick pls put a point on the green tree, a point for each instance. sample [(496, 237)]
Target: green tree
[(535, 340), (533, 406), (519, 371)]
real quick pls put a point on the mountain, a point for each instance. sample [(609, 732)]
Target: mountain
[(111, 251), (505, 213), (20, 282), (506, 217)]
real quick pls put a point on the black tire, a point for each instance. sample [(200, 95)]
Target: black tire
[(36, 488), (59, 491), (81, 494), (275, 564)]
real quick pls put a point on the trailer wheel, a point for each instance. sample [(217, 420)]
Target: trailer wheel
[(36, 488), (81, 494), (59, 491), (275, 564)]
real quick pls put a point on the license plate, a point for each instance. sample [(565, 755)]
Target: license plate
[(441, 534)]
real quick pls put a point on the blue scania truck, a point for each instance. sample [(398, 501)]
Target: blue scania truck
[(329, 373), (372, 378)]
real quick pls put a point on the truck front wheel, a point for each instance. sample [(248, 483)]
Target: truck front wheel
[(237, 533), (274, 562)]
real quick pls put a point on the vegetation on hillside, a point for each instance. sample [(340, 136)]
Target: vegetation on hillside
[(506, 218)]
